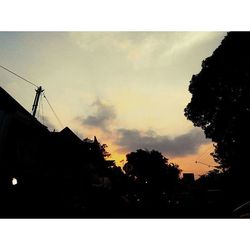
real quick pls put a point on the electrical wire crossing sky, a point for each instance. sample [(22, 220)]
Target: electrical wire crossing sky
[(129, 89)]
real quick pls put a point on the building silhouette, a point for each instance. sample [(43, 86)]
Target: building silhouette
[(56, 174)]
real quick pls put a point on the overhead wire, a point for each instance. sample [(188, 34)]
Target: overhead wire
[(59, 121), (42, 111), (33, 84), (203, 153), (203, 157), (203, 163), (18, 76)]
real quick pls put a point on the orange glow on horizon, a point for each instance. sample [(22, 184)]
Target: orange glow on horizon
[(186, 163)]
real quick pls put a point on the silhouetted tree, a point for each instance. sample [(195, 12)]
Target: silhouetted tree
[(151, 167), (101, 148), (211, 180), (220, 103), (152, 177)]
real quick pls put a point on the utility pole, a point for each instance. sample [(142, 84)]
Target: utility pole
[(39, 90)]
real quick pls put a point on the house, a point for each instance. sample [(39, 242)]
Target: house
[(54, 172)]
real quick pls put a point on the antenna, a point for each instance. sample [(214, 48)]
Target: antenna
[(39, 90)]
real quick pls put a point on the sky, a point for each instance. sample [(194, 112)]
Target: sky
[(127, 88)]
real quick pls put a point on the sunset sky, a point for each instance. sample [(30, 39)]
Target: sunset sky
[(127, 88)]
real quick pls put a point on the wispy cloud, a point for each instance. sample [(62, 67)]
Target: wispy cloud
[(181, 145), (143, 48)]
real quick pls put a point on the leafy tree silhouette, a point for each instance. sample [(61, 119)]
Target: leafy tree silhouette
[(152, 177), (220, 104), (151, 167)]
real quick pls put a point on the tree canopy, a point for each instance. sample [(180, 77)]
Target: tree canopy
[(220, 102), (152, 168)]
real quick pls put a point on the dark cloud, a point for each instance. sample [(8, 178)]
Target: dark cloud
[(182, 145), (103, 116)]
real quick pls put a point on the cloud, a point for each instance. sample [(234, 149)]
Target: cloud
[(102, 118), (143, 48), (182, 145)]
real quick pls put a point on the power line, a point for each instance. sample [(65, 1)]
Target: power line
[(210, 166), (53, 111), (203, 163), (19, 76), (204, 154), (10, 71), (42, 110)]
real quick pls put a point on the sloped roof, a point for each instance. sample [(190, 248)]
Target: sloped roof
[(10, 105), (70, 135)]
